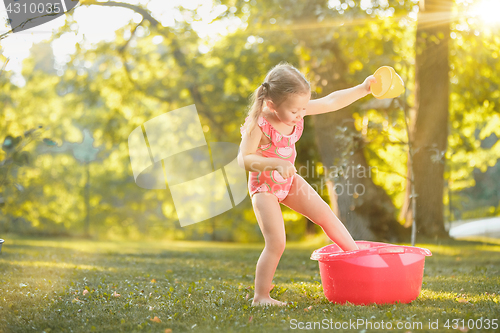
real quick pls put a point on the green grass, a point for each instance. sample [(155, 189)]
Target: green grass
[(207, 287)]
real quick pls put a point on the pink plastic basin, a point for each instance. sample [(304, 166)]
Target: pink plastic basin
[(376, 273)]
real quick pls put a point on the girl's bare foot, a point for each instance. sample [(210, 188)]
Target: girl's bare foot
[(267, 301)]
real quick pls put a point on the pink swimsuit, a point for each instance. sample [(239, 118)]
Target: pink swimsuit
[(281, 146)]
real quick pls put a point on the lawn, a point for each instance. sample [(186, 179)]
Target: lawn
[(73, 285)]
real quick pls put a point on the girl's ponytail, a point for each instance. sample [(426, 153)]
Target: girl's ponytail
[(257, 104)]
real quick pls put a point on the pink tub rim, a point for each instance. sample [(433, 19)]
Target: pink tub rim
[(332, 252)]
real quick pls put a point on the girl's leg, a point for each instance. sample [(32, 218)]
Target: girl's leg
[(303, 199), (268, 212)]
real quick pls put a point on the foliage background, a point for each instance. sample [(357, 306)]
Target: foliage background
[(112, 87)]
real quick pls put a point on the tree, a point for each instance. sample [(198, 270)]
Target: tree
[(364, 207), (15, 157), (429, 128), (150, 69), (473, 145), (335, 57), (374, 215)]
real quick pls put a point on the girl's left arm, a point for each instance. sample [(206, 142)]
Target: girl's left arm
[(340, 98)]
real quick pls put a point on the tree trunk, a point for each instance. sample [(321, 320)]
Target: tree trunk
[(87, 200), (365, 209), (429, 123)]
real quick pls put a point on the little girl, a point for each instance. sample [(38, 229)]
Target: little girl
[(274, 124)]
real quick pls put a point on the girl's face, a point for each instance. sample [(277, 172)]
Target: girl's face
[(292, 110)]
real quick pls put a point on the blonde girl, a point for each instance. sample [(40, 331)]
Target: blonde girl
[(274, 124)]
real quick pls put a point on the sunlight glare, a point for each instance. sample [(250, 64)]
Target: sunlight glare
[(488, 11)]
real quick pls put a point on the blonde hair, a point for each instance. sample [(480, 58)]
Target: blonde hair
[(280, 82)]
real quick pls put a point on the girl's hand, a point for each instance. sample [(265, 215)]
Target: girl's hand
[(286, 169), (367, 83)]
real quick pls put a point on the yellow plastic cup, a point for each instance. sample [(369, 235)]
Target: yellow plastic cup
[(389, 83)]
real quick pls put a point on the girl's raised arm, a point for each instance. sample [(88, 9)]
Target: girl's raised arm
[(340, 98)]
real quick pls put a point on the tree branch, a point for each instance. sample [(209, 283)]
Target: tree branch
[(145, 14), (177, 53), (3, 67)]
